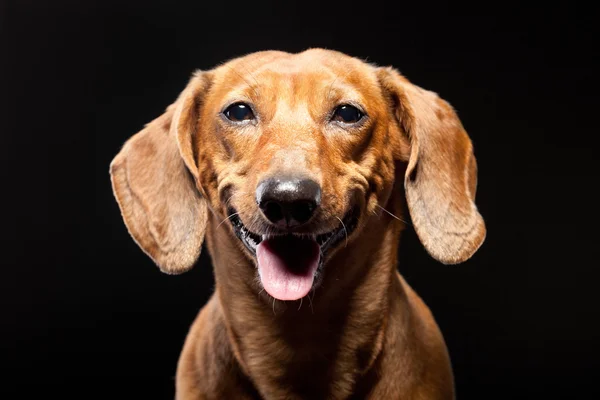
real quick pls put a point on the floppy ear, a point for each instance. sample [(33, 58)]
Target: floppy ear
[(441, 177), (153, 180)]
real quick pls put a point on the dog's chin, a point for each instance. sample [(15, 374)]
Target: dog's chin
[(288, 263)]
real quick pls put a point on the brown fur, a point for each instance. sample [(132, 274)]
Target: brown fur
[(362, 332)]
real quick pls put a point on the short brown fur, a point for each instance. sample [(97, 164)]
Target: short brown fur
[(362, 332)]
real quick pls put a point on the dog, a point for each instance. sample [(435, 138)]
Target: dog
[(298, 170)]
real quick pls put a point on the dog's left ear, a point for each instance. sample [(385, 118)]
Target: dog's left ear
[(441, 177), (154, 181)]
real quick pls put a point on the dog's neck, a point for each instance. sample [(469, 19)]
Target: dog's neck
[(323, 343)]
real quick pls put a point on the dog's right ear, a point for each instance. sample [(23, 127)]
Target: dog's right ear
[(154, 181)]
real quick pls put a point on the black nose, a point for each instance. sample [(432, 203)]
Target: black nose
[(288, 202)]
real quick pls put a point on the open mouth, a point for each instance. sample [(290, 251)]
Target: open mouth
[(288, 263)]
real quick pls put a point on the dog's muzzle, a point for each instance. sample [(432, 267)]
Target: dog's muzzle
[(288, 260)]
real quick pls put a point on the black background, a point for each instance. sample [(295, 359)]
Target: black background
[(85, 313)]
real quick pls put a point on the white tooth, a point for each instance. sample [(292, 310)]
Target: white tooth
[(264, 237)]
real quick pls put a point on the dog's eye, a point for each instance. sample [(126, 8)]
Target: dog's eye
[(347, 114), (239, 112)]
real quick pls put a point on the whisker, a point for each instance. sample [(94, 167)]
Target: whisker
[(345, 230), (229, 199), (336, 78), (232, 215), (236, 193), (213, 211), (312, 310), (244, 79), (398, 218), (321, 254), (252, 76), (274, 306), (331, 86), (300, 306)]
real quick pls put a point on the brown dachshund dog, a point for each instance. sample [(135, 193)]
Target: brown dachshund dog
[(297, 169)]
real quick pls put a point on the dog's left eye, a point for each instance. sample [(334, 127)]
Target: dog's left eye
[(347, 114), (239, 112)]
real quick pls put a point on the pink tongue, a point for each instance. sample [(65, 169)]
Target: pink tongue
[(287, 266)]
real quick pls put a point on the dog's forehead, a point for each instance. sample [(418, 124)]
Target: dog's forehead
[(293, 63), (315, 68)]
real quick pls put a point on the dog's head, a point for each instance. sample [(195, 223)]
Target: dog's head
[(294, 153)]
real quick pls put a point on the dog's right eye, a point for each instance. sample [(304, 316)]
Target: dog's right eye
[(239, 112)]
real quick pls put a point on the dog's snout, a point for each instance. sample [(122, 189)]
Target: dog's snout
[(288, 202)]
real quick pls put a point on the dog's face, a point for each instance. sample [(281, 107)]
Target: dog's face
[(294, 153), (294, 149)]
